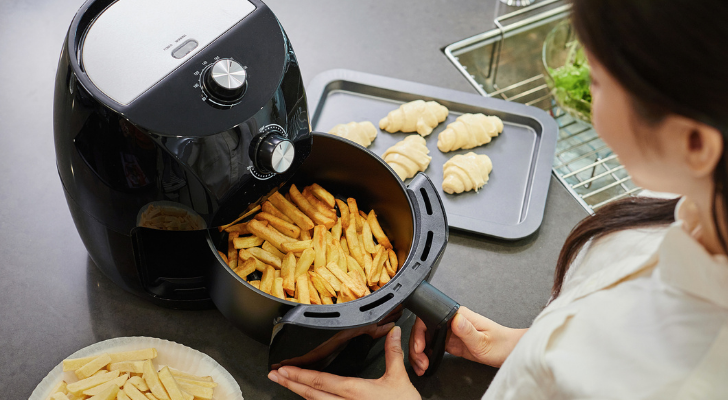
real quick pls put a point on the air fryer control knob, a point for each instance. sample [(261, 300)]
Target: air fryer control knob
[(275, 154), (225, 80)]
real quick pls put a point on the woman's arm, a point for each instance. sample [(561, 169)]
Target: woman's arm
[(473, 337)]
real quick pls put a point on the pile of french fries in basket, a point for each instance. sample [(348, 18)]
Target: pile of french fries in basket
[(307, 253)]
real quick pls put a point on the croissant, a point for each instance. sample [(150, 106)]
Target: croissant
[(466, 172), (362, 133), (416, 116), (468, 131), (408, 156)]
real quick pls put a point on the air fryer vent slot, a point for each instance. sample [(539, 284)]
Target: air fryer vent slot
[(311, 314), (376, 303), (428, 244), (426, 200)]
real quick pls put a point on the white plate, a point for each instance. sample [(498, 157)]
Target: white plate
[(169, 353)]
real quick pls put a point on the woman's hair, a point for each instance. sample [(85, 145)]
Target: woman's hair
[(671, 57)]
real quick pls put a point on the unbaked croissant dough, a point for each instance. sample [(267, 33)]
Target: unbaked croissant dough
[(362, 133), (468, 131), (416, 116), (408, 156), (466, 172)]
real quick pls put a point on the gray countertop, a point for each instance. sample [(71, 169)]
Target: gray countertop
[(54, 301)]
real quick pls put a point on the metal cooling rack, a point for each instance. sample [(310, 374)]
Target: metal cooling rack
[(585, 165)]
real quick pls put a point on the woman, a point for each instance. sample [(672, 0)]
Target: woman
[(639, 306)]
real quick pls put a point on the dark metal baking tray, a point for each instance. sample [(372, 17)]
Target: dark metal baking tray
[(511, 204)]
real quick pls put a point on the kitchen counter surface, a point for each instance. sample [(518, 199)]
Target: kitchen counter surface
[(54, 301)]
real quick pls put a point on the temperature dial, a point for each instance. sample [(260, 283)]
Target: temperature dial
[(225, 81), (275, 154)]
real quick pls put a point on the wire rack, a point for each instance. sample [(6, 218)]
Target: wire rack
[(583, 162)]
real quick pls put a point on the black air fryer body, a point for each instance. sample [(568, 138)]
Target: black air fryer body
[(171, 110)]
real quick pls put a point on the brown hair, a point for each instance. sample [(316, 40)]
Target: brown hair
[(671, 57)]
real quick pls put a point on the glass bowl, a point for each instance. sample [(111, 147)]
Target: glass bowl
[(567, 71)]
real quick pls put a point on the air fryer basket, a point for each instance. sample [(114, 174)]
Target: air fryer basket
[(412, 217)]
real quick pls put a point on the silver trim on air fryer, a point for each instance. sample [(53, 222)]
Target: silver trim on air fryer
[(124, 59)]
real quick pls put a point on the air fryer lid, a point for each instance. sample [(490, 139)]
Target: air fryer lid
[(158, 36)]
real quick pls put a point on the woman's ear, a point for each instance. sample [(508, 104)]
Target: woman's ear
[(702, 145)]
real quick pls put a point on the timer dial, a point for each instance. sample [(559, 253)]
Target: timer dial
[(225, 81)]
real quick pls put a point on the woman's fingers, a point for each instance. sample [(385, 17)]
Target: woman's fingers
[(417, 357), (475, 341), (298, 380), (393, 354)]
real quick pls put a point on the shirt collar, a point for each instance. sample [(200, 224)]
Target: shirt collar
[(685, 264)]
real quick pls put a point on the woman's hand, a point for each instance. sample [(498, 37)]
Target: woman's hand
[(473, 337), (395, 383)]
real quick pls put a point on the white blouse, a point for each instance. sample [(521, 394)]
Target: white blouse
[(643, 314)]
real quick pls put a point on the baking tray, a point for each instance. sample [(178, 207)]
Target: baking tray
[(511, 204)]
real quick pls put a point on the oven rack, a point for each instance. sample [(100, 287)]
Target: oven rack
[(583, 163)]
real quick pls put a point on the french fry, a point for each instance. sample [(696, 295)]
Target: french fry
[(300, 245), (291, 211), (345, 246), (383, 278), (273, 210), (302, 294), (336, 230), (361, 243), (284, 227), (393, 259), (134, 367), (242, 217), (268, 233), (329, 277), (93, 366), (322, 285), (344, 211), (277, 290), (170, 384), (58, 396), (247, 242), (357, 269), (292, 299), (354, 213), (139, 383), (277, 273), (377, 230), (391, 271), (326, 300), (366, 233), (341, 259), (133, 393), (266, 282), (272, 250), (313, 294), (376, 271), (246, 268), (85, 384), (255, 284), (332, 253), (232, 253), (308, 209), (358, 290), (356, 277), (319, 245), (319, 205), (150, 396), (265, 257), (121, 395), (323, 195), (118, 382), (307, 258), (368, 264), (59, 388), (288, 273), (201, 381), (241, 228), (345, 295), (199, 392), (72, 364), (152, 380), (353, 241), (108, 394), (305, 235), (224, 257), (243, 254)]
